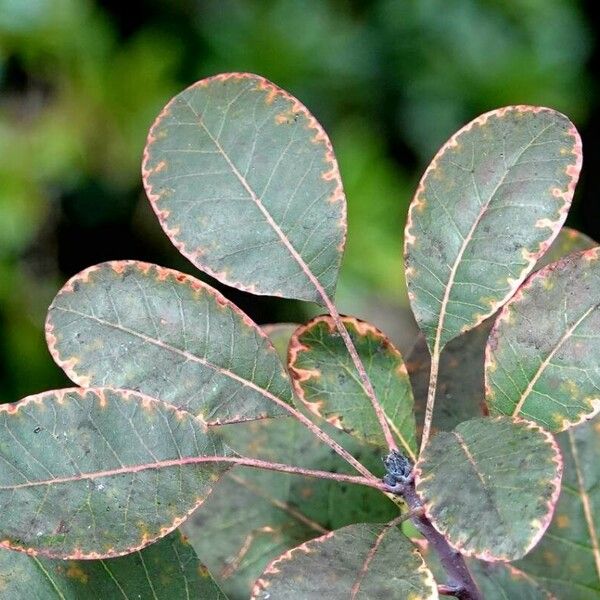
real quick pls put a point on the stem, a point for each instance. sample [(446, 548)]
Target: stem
[(360, 368), (431, 390), (460, 582), (283, 468)]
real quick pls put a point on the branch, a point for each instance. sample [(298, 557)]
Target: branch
[(360, 368), (460, 582)]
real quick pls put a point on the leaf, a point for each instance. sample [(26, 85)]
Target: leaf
[(358, 562), (99, 473), (325, 380), (166, 570), (541, 358), (252, 516), (135, 325), (488, 206), (460, 389), (490, 486), (280, 334), (567, 560), (495, 580), (245, 184)]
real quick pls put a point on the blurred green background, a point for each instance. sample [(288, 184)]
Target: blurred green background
[(81, 81)]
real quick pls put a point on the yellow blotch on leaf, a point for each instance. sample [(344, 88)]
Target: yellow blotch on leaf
[(74, 571)]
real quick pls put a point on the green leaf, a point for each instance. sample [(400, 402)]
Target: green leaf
[(567, 560), (495, 580), (488, 206), (541, 358), (325, 380), (361, 562), (166, 570), (280, 335), (460, 388), (490, 486), (130, 324), (245, 183), (252, 516), (99, 473), (567, 241)]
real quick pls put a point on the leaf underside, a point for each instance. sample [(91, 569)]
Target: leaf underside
[(541, 357), (567, 559), (361, 562), (130, 324), (487, 208), (166, 570), (253, 516), (325, 380), (490, 485), (245, 184), (99, 473)]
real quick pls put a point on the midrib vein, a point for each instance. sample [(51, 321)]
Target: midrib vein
[(184, 353), (544, 364), (587, 505), (469, 236), (267, 215)]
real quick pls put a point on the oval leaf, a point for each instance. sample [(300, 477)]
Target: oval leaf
[(567, 560), (245, 183), (490, 486), (325, 380), (129, 324), (166, 570), (360, 562), (99, 473), (542, 354), (488, 206)]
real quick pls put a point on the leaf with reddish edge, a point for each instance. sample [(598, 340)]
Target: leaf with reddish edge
[(495, 580), (253, 515), (98, 473), (488, 206), (324, 379), (358, 562), (130, 324), (567, 559), (460, 389), (490, 486), (163, 571), (245, 184), (541, 357)]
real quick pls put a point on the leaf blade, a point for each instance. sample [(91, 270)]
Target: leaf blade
[(323, 378), (476, 184), (568, 558), (490, 505), (166, 569), (135, 325), (548, 373), (248, 171), (358, 561), (91, 454)]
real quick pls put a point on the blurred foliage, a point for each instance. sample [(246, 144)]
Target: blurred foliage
[(81, 81)]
